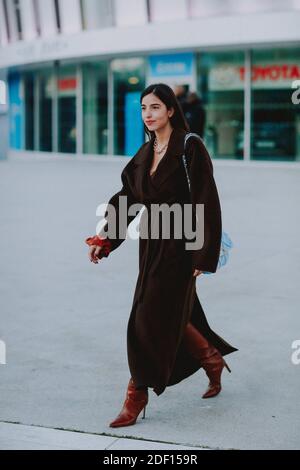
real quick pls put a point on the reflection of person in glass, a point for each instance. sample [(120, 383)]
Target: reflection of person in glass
[(195, 113), (181, 93), (168, 336)]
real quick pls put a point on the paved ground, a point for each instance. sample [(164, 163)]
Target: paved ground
[(64, 319), (20, 437)]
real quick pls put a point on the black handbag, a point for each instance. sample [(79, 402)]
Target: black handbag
[(226, 242)]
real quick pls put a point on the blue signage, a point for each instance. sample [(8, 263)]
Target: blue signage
[(16, 114), (171, 64), (134, 126)]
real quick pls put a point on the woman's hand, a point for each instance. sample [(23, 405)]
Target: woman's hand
[(99, 248), (197, 272), (94, 252)]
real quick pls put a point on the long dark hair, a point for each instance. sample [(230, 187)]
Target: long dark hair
[(168, 97)]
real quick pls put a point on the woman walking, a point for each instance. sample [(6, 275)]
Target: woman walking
[(168, 336)]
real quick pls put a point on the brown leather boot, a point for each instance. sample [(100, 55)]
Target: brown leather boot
[(210, 358), (135, 402)]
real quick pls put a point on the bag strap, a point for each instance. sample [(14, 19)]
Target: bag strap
[(187, 136)]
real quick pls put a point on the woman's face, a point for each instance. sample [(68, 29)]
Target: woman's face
[(155, 113)]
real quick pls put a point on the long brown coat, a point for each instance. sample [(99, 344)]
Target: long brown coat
[(165, 298)]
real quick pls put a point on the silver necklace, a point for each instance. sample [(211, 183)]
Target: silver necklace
[(155, 146)]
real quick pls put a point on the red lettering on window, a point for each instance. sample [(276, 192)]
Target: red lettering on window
[(67, 84)]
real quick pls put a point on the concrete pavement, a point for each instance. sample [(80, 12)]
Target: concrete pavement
[(64, 319), (20, 437)]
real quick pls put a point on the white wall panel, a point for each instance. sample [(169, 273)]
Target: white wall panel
[(202, 8), (47, 18), (130, 12), (12, 20), (253, 6), (168, 10), (70, 16), (3, 30), (28, 19), (96, 14), (259, 30), (296, 4)]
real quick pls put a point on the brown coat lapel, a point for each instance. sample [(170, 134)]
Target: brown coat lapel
[(169, 162)]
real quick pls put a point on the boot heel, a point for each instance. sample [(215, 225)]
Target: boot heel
[(135, 402), (227, 366)]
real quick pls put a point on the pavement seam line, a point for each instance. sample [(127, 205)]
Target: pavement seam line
[(111, 435)]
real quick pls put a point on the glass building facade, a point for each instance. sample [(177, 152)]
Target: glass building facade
[(223, 101), (92, 107), (95, 107), (275, 119)]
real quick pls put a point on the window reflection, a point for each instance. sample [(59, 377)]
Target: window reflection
[(129, 82), (95, 122), (221, 86), (275, 118), (66, 90), (28, 83), (46, 96)]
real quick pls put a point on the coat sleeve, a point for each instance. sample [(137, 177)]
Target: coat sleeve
[(115, 228), (204, 191)]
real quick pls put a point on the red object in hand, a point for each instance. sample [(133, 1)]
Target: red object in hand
[(103, 242)]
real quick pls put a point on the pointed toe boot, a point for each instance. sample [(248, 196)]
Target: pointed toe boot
[(136, 401), (209, 357)]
